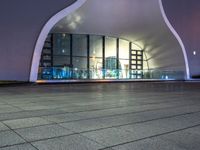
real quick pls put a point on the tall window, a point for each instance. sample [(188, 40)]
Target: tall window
[(124, 59), (79, 56), (61, 49), (61, 56), (96, 57), (110, 58)]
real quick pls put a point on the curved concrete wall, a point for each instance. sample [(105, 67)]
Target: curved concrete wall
[(184, 16), (21, 24), (139, 21)]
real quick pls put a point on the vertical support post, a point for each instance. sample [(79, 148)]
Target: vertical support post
[(88, 56), (103, 52), (137, 67), (142, 67), (71, 53), (117, 60), (130, 59)]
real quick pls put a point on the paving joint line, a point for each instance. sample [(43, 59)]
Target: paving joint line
[(79, 111), (157, 135), (20, 136), (133, 123), (136, 112), (54, 123), (80, 133)]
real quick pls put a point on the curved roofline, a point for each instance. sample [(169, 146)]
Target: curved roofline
[(43, 34), (177, 37), (63, 13)]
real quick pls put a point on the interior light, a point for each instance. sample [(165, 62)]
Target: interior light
[(194, 52), (93, 58)]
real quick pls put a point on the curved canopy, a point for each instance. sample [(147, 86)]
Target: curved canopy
[(139, 21)]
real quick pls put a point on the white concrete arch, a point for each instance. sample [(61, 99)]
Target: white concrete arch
[(178, 39), (139, 21), (134, 25), (43, 34)]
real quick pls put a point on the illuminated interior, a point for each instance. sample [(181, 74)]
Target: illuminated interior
[(79, 56), (117, 45)]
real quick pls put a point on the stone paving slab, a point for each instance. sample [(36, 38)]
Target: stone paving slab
[(43, 132), (26, 122), (109, 116), (28, 114), (62, 117), (139, 131), (119, 120), (8, 109), (3, 127), (187, 140), (149, 144), (19, 147), (8, 138), (110, 136), (72, 142)]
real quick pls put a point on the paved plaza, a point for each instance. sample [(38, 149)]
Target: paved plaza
[(101, 116)]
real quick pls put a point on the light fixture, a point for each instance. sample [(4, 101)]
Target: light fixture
[(63, 35), (194, 53), (93, 58)]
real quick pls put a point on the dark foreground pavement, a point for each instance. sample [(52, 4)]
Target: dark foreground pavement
[(111, 116)]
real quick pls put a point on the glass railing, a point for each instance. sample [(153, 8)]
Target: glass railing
[(66, 73), (163, 74)]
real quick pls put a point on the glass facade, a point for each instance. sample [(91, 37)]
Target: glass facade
[(110, 58), (79, 56), (96, 57), (124, 58), (74, 56)]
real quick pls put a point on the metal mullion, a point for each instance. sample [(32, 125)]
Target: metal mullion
[(103, 57), (130, 59), (117, 54), (71, 53), (88, 56), (142, 65)]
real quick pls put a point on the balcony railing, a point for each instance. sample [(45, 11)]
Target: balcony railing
[(65, 73)]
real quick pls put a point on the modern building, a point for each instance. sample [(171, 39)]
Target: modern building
[(99, 39)]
